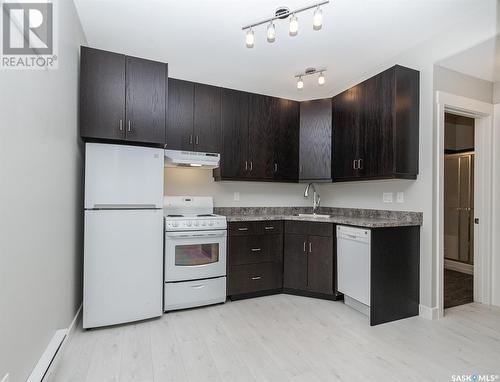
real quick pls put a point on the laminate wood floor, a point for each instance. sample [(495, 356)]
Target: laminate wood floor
[(285, 338)]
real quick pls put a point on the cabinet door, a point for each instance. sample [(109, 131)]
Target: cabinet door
[(295, 262), (286, 150), (146, 100), (346, 123), (320, 264), (234, 153), (207, 118), (261, 121), (316, 139), (180, 115), (377, 139), (102, 94)]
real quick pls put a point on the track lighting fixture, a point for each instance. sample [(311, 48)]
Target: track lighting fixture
[(250, 38), (293, 26), (309, 72)]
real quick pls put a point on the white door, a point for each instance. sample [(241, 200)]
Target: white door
[(118, 176), (123, 266)]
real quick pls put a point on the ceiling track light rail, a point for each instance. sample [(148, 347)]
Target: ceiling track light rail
[(310, 72), (284, 13)]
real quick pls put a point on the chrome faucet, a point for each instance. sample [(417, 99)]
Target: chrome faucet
[(316, 197)]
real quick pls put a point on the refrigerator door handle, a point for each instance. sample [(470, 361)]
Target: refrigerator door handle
[(117, 206)]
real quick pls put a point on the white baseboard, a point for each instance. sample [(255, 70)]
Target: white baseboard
[(47, 363), (427, 312), (458, 266)]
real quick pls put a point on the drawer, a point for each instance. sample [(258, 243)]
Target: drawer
[(255, 227), (188, 294), (254, 278), (252, 249), (309, 228)]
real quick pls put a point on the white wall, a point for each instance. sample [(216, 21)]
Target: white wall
[(419, 196), (40, 203), (496, 92), (463, 85)]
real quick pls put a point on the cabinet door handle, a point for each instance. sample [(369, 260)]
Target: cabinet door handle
[(243, 229), (256, 249), (196, 140), (310, 247), (276, 167), (199, 286), (360, 164), (251, 166), (269, 227), (301, 169), (354, 164), (304, 246), (246, 165), (256, 278), (190, 139), (129, 129), (121, 125)]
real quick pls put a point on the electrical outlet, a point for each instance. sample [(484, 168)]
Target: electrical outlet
[(236, 196), (5, 378), (400, 197), (387, 197)]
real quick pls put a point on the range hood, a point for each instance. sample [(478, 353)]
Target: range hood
[(177, 158)]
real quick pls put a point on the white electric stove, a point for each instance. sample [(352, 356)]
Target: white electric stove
[(195, 253)]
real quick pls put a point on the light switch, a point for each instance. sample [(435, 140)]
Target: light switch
[(236, 196), (387, 197), (400, 197)]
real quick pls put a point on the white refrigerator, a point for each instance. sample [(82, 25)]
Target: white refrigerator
[(123, 239)]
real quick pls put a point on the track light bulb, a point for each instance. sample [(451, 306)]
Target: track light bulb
[(250, 38), (300, 83), (271, 32), (294, 26), (321, 79), (317, 19)]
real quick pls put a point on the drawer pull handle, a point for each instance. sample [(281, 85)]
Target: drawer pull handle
[(269, 227), (256, 249), (199, 286), (256, 278), (243, 229)]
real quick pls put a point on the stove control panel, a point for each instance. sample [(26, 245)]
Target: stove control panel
[(195, 224)]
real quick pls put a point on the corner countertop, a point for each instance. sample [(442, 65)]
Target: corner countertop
[(354, 217)]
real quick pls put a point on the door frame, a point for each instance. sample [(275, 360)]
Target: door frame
[(482, 113)]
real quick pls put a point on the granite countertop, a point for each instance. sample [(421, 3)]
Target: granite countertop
[(347, 216)]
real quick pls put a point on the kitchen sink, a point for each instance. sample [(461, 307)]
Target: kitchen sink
[(313, 216)]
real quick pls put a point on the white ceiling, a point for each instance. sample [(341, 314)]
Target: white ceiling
[(481, 61), (202, 40)]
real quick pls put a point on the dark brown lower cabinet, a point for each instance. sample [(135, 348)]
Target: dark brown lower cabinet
[(309, 259), (255, 258)]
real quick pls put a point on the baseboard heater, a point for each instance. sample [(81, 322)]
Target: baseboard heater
[(42, 367)]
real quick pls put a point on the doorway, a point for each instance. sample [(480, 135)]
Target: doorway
[(458, 211)]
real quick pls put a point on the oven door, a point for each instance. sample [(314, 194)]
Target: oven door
[(195, 255)]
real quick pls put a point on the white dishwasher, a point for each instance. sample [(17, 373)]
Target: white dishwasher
[(353, 266)]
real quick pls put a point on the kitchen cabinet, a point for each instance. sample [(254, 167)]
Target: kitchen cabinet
[(375, 128), (315, 140), (286, 138), (122, 98), (309, 261), (255, 258), (180, 115), (194, 117), (234, 125)]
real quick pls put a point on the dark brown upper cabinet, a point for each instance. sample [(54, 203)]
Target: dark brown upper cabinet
[(194, 117), (286, 138), (122, 98), (315, 140), (180, 115), (375, 128), (234, 124)]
